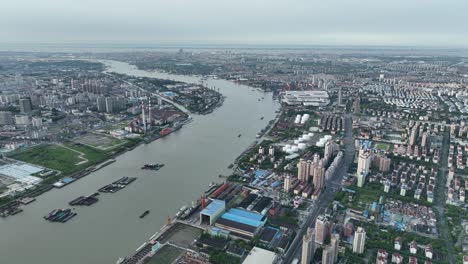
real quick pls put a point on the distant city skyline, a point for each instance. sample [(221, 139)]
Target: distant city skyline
[(426, 23)]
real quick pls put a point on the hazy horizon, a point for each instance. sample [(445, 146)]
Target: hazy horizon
[(418, 23)]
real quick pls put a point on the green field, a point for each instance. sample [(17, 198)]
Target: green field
[(60, 158), (167, 254), (382, 146)]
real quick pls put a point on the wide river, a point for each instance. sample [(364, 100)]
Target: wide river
[(194, 156)]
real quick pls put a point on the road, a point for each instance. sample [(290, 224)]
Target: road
[(326, 198), (440, 195)]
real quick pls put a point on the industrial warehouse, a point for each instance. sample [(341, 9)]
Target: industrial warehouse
[(238, 222), (241, 223)]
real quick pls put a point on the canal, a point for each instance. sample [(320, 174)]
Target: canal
[(193, 157)]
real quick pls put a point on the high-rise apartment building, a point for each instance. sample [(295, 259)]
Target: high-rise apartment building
[(364, 162), (25, 105), (321, 229), (308, 246), (287, 183), (359, 241)]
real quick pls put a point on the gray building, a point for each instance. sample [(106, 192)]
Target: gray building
[(6, 118), (25, 105), (101, 104), (115, 104), (110, 108)]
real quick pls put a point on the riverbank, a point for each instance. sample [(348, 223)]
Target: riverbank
[(193, 157), (6, 205), (65, 169)]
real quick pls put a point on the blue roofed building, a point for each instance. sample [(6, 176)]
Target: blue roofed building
[(212, 212), (241, 223)]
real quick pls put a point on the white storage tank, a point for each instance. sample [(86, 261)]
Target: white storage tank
[(294, 149), (304, 118), (298, 119), (296, 141), (302, 146), (310, 134)]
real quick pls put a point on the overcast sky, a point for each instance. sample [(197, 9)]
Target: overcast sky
[(297, 22)]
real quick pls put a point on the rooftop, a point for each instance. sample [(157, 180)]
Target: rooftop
[(259, 256), (245, 217), (21, 172), (214, 207)]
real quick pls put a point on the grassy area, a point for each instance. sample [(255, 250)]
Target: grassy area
[(221, 257), (92, 154), (382, 146), (167, 254), (455, 215), (64, 158), (51, 156)]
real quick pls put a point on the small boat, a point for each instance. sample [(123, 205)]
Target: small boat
[(261, 118), (145, 213), (239, 135), (156, 166)]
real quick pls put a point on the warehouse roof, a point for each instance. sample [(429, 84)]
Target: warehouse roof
[(259, 256), (21, 172), (244, 217), (214, 207)]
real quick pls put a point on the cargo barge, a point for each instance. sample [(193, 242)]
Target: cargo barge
[(155, 166), (85, 200), (60, 215), (11, 208), (117, 185)]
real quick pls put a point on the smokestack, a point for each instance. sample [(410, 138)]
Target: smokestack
[(144, 118), (149, 112)]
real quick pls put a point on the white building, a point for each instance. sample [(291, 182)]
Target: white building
[(287, 184), (22, 120), (359, 241), (306, 98), (363, 168), (37, 122), (260, 256)]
